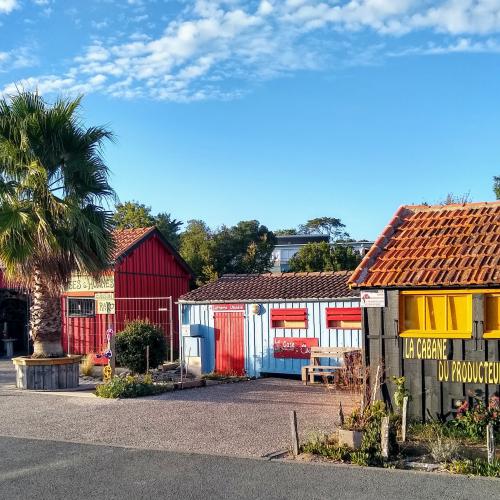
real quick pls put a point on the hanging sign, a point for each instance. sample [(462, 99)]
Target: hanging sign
[(292, 347), (105, 303), (372, 298), (228, 307)]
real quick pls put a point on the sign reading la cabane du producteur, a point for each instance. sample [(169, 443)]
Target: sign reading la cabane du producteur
[(291, 347), (451, 370)]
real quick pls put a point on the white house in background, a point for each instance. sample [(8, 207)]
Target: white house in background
[(288, 245)]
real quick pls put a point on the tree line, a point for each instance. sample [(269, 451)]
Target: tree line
[(246, 247)]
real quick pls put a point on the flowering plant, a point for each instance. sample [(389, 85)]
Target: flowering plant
[(472, 420)]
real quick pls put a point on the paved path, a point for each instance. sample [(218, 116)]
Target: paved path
[(242, 419), (53, 470)]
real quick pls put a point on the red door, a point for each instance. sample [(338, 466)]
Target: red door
[(229, 343)]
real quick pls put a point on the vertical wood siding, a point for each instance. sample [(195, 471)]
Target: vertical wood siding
[(148, 271), (431, 398), (259, 335)]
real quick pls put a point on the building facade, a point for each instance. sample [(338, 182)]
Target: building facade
[(432, 280), (266, 324), (288, 245), (145, 281)]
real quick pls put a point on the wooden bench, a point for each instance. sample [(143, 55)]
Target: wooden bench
[(309, 372)]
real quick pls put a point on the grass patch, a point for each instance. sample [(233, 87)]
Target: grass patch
[(477, 467), (87, 365)]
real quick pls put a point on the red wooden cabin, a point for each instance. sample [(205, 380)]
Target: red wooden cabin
[(145, 281)]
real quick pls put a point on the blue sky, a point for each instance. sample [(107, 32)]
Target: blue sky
[(275, 110)]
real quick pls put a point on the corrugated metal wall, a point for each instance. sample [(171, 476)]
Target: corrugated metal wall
[(259, 336)]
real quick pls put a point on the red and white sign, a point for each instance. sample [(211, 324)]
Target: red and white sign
[(291, 347), (228, 307)]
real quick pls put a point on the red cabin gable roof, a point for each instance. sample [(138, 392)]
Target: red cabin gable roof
[(128, 239)]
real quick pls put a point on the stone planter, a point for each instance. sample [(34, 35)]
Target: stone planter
[(352, 439), (47, 374)]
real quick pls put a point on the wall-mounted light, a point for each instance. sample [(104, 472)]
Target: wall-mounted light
[(255, 309)]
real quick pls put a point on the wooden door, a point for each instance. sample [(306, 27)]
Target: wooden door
[(229, 343)]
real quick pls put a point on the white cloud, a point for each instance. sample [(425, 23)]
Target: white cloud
[(22, 57), (212, 48), (7, 6)]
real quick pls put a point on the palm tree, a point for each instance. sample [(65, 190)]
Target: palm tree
[(53, 185)]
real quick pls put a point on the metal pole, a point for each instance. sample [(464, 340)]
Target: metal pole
[(171, 330)]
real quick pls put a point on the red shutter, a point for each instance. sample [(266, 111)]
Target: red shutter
[(342, 314), (296, 314)]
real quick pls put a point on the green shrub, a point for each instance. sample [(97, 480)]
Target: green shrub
[(131, 346), (478, 467), (130, 387)]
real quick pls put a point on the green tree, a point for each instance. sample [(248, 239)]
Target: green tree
[(197, 248), (169, 227), (132, 214), (244, 248), (330, 226), (316, 257), (285, 232), (53, 185), (496, 186)]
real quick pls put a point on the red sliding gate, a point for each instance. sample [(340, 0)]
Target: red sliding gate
[(229, 343)]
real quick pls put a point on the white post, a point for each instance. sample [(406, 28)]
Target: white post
[(171, 330), (490, 443), (376, 384), (403, 419), (384, 437)]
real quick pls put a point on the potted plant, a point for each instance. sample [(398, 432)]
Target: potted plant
[(351, 430)]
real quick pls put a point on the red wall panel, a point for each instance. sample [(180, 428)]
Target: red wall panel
[(149, 270)]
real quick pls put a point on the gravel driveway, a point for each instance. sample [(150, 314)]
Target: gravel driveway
[(241, 419)]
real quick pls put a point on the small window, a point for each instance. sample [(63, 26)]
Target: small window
[(492, 315), (81, 307), (289, 318), (348, 318), (436, 315)]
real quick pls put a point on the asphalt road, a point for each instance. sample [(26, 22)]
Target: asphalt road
[(54, 470)]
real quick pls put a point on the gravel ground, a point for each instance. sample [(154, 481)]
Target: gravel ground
[(240, 419)]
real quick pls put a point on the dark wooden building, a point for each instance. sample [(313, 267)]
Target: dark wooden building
[(437, 271)]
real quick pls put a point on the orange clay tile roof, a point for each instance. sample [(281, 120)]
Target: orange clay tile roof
[(428, 246), (126, 238), (279, 286)]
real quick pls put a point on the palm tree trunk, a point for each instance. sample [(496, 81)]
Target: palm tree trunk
[(45, 320)]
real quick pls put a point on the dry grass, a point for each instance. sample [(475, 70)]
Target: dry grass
[(87, 365)]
